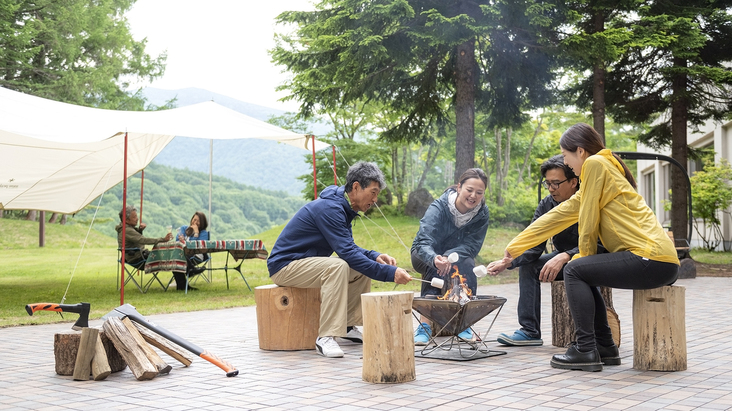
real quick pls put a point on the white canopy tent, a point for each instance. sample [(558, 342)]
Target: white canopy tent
[(59, 157)]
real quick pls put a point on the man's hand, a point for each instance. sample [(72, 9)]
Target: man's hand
[(388, 260), (552, 267), (401, 276), (142, 226), (168, 236), (442, 265), (496, 267)]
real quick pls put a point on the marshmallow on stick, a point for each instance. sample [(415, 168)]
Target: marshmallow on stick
[(453, 258)]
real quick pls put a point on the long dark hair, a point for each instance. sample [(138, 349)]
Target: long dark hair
[(202, 223), (583, 135), (471, 173)]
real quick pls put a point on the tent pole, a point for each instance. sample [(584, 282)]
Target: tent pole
[(210, 190), (315, 177), (124, 227), (142, 183), (335, 176)]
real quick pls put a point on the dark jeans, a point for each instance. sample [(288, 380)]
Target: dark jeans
[(529, 302), (465, 268), (624, 270)]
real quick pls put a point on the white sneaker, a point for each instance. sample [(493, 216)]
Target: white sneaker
[(354, 335), (328, 347)]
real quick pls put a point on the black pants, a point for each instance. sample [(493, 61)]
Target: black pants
[(623, 270)]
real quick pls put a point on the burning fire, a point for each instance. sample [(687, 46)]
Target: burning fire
[(459, 292)]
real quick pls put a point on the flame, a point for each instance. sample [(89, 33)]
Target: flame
[(462, 284)]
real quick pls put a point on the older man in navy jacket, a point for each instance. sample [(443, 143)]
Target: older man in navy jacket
[(302, 256)]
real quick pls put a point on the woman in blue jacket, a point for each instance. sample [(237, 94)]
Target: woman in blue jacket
[(196, 230), (454, 223)]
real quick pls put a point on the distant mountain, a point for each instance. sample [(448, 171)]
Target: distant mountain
[(258, 163), (192, 95)]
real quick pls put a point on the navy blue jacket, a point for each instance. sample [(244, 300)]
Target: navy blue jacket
[(438, 234), (320, 228)]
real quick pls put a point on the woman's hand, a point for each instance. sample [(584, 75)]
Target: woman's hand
[(194, 227), (442, 265)]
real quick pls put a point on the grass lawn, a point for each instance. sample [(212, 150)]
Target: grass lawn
[(31, 274)]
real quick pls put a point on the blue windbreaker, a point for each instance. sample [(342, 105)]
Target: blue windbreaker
[(321, 228)]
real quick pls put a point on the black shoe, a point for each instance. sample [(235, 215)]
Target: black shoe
[(189, 289), (609, 355), (196, 271), (574, 359)]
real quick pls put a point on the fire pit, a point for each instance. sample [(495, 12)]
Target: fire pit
[(451, 317)]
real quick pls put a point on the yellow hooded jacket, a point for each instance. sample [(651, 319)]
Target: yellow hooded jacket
[(606, 206)]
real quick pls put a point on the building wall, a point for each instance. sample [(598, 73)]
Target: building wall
[(654, 176)]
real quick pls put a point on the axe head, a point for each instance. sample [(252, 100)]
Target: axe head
[(123, 311), (81, 308)]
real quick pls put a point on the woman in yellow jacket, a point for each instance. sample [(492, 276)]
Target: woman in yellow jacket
[(640, 254)]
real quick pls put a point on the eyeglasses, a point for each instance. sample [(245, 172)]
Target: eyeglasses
[(555, 186)]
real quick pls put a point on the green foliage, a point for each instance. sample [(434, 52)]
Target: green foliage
[(517, 210), (172, 195), (711, 195), (348, 152), (404, 55), (76, 51), (679, 55)]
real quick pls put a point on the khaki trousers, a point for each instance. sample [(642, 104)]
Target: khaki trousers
[(340, 290)]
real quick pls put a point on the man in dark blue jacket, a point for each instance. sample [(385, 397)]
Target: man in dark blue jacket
[(302, 256), (534, 265)]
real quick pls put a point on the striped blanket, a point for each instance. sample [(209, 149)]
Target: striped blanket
[(168, 256)]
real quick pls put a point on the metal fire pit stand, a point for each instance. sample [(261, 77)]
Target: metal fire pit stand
[(453, 318)]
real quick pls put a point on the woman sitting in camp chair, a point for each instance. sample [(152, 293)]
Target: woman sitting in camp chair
[(196, 230)]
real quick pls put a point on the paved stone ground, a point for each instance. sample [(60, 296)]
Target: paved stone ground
[(303, 380)]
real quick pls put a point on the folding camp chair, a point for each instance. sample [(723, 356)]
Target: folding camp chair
[(135, 269)]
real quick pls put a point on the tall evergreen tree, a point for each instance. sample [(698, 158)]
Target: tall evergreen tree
[(412, 55), (598, 37), (76, 51), (681, 81)]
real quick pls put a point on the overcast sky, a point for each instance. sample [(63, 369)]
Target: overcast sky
[(217, 45)]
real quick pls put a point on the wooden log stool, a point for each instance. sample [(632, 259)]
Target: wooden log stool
[(659, 329), (288, 318), (388, 343), (562, 323)]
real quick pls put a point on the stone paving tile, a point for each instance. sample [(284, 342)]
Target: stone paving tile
[(520, 380)]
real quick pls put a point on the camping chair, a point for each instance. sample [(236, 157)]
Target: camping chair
[(136, 267), (196, 264)]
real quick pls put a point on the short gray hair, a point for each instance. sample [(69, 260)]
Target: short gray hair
[(365, 173), (127, 211)]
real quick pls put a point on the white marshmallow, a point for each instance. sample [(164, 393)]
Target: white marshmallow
[(453, 258), (437, 282), (480, 271)]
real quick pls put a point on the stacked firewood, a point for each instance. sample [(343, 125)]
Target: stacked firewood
[(120, 343)]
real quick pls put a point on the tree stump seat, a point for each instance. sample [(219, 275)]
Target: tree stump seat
[(288, 318), (562, 323), (659, 329)]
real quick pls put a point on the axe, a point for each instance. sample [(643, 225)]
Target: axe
[(81, 308), (130, 312)]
